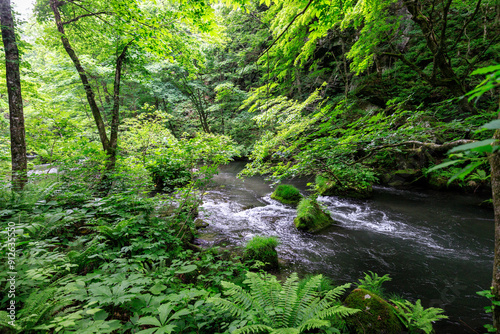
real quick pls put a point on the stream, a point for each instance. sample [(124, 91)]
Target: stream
[(436, 247)]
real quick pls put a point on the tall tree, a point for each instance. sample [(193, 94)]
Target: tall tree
[(16, 115), (165, 30), (109, 144)]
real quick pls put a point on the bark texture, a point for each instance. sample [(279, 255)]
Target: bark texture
[(16, 115)]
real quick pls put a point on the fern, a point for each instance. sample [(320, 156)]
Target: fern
[(373, 282), (287, 308), (415, 317)]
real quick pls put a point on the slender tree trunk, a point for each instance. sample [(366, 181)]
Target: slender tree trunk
[(16, 115), (83, 77), (115, 114)]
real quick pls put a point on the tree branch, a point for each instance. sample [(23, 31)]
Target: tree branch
[(432, 146), (459, 37), (85, 15), (287, 27)]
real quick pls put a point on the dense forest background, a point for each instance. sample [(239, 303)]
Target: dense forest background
[(128, 99)]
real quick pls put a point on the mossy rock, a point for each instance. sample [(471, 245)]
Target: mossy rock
[(200, 223), (403, 177), (287, 194), (310, 216), (326, 187), (262, 249), (376, 317)]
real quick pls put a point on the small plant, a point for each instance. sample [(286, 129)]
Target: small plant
[(288, 308), (488, 309), (262, 249), (287, 194), (415, 317), (373, 282)]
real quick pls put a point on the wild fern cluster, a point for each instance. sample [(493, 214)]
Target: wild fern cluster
[(289, 308)]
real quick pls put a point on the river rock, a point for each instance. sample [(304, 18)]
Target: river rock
[(262, 249), (326, 187), (310, 216), (200, 223), (376, 317)]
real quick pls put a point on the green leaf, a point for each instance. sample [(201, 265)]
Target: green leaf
[(149, 321), (492, 125), (186, 269), (164, 310), (157, 288), (444, 164), (466, 171), (486, 70), (473, 145)]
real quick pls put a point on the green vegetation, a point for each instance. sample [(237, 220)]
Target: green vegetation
[(137, 104), (343, 187), (311, 217), (262, 249), (373, 283), (415, 317), (273, 307), (287, 194)]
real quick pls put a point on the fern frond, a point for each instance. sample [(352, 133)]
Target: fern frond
[(313, 323), (253, 329), (227, 306), (414, 316), (286, 331), (338, 291), (240, 296), (265, 294), (336, 311), (288, 299), (305, 297)]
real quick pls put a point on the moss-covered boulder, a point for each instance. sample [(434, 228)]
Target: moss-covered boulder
[(200, 223), (326, 187), (376, 317), (262, 249), (310, 216), (287, 194)]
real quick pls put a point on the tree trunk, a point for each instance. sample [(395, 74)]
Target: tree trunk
[(83, 77), (115, 115), (16, 115), (495, 189)]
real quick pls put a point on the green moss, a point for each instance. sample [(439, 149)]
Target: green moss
[(310, 216), (326, 187), (377, 315), (262, 249), (287, 194)]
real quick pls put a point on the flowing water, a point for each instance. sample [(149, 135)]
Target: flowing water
[(437, 247)]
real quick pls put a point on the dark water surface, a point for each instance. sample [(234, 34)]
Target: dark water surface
[(437, 247)]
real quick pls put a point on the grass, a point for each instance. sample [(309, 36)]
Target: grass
[(262, 249), (287, 194)]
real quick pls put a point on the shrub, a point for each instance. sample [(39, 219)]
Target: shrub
[(168, 174), (310, 216), (264, 250), (287, 194)]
